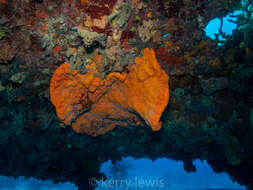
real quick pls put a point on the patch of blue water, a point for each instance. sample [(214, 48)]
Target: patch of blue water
[(21, 183), (214, 25), (164, 174), (166, 35)]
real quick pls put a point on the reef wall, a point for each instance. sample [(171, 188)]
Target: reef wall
[(142, 65)]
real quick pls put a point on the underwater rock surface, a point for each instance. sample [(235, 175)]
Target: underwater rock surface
[(98, 64)]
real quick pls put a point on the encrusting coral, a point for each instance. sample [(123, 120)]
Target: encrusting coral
[(95, 106), (89, 38)]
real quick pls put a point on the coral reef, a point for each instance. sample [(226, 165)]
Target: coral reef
[(97, 106), (18, 77), (121, 15), (90, 38), (145, 30), (99, 64)]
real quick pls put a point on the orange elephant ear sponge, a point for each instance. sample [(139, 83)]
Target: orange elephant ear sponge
[(150, 91), (67, 93), (95, 106)]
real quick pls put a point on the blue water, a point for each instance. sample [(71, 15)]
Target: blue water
[(214, 25), (164, 174), (145, 174), (21, 183)]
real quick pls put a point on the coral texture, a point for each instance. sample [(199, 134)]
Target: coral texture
[(89, 38), (96, 106)]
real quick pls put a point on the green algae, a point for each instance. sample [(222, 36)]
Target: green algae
[(2, 88), (3, 32)]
